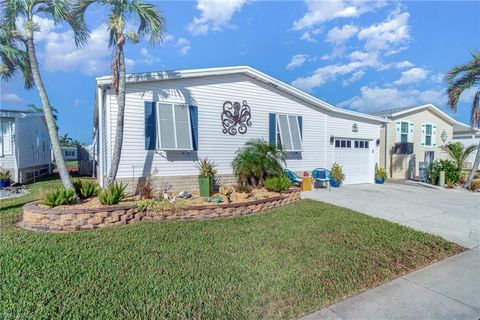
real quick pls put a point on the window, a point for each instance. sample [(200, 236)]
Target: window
[(69, 153), (288, 133), (6, 147), (174, 130), (404, 132), (428, 135), (343, 143)]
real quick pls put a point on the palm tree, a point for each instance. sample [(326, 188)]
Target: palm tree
[(257, 161), (18, 53), (151, 25), (459, 79), (458, 152)]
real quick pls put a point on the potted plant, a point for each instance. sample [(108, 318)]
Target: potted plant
[(380, 175), (5, 177), (206, 176), (336, 175)]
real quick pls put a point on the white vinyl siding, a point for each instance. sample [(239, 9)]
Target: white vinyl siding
[(173, 127), (209, 94)]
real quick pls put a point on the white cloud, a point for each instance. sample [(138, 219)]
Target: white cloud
[(215, 15), (388, 35), (183, 45), (374, 98), (319, 12), (340, 35), (11, 97), (412, 75), (438, 78), (60, 53), (327, 73), (297, 61), (355, 77), (404, 64)]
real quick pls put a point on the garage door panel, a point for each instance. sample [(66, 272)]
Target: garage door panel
[(356, 162)]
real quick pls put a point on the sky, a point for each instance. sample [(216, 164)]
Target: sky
[(360, 55)]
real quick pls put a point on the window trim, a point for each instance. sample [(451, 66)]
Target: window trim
[(404, 133), (430, 135), (11, 121), (279, 131), (159, 133)]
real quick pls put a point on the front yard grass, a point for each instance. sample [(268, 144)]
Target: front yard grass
[(278, 264)]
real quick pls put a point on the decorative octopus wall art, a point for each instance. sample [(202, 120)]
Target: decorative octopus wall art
[(236, 117)]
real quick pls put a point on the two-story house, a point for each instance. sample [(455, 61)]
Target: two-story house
[(416, 134)]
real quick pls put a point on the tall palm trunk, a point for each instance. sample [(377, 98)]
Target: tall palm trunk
[(117, 148), (476, 163), (47, 109)]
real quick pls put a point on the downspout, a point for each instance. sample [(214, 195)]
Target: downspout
[(17, 152), (100, 174)]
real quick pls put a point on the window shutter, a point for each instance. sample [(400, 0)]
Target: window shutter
[(410, 132), (150, 127), (399, 131), (272, 128), (434, 135), (300, 125), (194, 124), (424, 131)]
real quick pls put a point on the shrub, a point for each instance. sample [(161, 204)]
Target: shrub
[(112, 194), (452, 171), (337, 173), (277, 184), (475, 185), (85, 189), (257, 161), (146, 187), (206, 168), (60, 196), (380, 173), (5, 174)]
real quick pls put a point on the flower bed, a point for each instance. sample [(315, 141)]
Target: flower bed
[(40, 218)]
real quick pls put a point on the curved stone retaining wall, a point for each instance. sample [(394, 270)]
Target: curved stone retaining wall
[(51, 219)]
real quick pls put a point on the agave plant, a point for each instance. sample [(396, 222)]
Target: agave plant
[(257, 161), (206, 168)]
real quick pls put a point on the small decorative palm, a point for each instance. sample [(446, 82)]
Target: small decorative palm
[(459, 153)]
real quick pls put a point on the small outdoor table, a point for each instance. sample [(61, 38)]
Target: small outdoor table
[(306, 184)]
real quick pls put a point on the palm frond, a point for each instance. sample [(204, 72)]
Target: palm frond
[(64, 10), (461, 78), (475, 113), (14, 56), (152, 22)]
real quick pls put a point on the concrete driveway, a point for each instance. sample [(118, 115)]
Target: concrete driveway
[(449, 289), (451, 214)]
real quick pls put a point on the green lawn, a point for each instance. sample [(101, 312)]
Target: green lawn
[(276, 264)]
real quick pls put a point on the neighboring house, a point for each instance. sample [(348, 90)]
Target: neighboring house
[(70, 153), (467, 136), (24, 145), (416, 134), (174, 118)]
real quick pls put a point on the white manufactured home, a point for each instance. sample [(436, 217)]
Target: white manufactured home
[(24, 145), (174, 118)]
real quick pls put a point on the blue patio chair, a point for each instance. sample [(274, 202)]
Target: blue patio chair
[(296, 180), (321, 175)]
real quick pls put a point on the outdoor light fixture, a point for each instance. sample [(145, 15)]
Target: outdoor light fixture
[(378, 142), (332, 139)]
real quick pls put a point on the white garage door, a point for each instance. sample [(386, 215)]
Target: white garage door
[(355, 158)]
